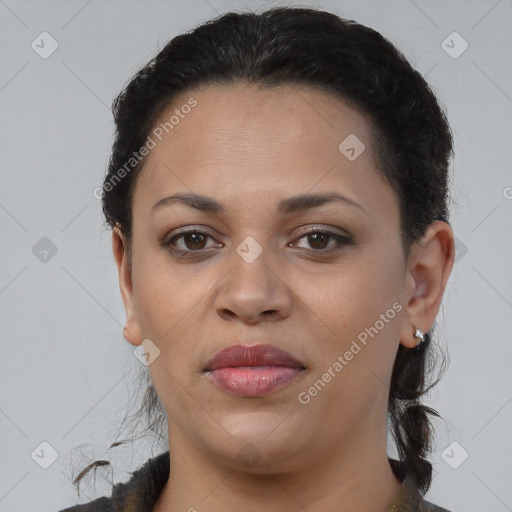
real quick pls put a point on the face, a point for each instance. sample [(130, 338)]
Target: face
[(324, 280)]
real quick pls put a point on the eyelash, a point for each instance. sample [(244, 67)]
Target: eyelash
[(167, 243)]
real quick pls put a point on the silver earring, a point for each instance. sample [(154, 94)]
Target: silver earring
[(419, 335)]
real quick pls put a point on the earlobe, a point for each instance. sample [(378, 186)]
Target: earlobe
[(131, 338), (414, 337), (131, 331), (430, 264)]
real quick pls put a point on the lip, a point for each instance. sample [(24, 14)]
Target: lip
[(253, 371), (236, 356)]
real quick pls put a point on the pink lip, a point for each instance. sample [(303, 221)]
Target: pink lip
[(253, 371)]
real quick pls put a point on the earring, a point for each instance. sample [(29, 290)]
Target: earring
[(420, 335)]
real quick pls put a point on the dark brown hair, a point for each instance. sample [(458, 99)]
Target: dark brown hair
[(308, 47)]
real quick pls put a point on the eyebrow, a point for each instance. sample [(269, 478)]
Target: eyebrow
[(287, 206)]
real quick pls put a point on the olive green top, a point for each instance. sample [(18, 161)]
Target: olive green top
[(410, 499), (139, 494)]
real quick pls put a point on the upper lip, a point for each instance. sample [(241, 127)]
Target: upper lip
[(252, 355)]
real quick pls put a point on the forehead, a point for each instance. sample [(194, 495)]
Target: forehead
[(245, 117), (236, 138)]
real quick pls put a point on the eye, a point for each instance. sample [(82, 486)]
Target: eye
[(188, 241), (192, 243), (318, 240)]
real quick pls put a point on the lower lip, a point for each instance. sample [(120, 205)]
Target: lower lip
[(256, 381)]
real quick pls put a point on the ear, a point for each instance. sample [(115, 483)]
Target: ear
[(429, 266), (131, 331)]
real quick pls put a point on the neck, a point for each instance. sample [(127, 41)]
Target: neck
[(355, 477)]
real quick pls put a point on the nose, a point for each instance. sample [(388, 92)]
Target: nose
[(252, 291)]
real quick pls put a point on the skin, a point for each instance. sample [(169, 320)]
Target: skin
[(249, 149)]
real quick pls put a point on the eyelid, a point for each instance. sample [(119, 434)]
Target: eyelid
[(310, 228), (342, 237), (325, 228), (175, 234)]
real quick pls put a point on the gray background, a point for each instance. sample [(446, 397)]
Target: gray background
[(68, 374)]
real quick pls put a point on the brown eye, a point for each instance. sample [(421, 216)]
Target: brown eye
[(191, 241), (194, 241), (188, 243), (318, 241)]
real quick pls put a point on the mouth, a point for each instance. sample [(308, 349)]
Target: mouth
[(253, 371)]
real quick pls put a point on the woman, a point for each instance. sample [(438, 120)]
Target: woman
[(277, 191)]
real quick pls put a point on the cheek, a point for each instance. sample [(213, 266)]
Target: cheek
[(172, 304), (163, 292), (361, 303)]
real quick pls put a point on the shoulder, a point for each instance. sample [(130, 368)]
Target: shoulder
[(99, 505), (138, 493), (426, 506), (409, 497)]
